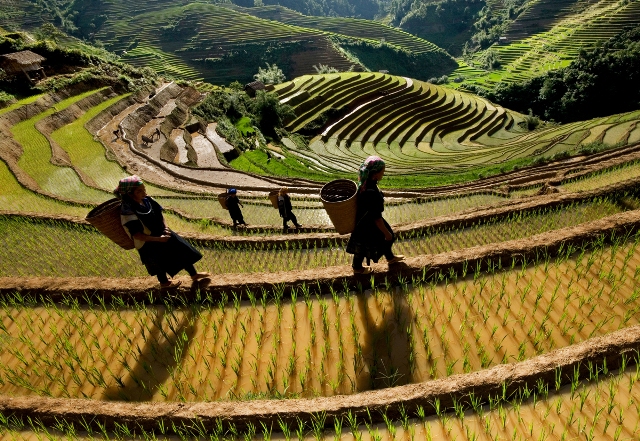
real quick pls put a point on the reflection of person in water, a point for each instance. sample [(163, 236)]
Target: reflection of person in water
[(372, 236), (161, 250)]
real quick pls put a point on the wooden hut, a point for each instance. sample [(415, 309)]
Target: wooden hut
[(26, 62), (252, 88)]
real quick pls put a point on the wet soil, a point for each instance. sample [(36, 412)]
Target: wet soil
[(378, 402)]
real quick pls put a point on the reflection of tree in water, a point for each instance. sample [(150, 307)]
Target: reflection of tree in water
[(386, 344), (166, 345)]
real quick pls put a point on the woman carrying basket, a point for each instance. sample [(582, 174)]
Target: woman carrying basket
[(372, 236), (233, 205), (285, 207), (161, 250)]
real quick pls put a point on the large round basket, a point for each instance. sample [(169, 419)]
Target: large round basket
[(106, 218), (222, 198), (273, 197), (340, 201)]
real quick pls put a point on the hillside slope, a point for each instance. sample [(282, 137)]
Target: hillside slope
[(223, 44), (548, 36), (425, 133)]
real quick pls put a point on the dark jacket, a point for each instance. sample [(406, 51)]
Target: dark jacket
[(284, 206), (233, 204), (367, 240), (158, 257)]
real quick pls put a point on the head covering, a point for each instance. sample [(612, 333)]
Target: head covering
[(232, 190), (370, 166), (127, 185)]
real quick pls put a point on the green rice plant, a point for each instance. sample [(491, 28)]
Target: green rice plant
[(35, 160), (87, 154)]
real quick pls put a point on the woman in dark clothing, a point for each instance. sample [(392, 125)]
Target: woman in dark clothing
[(161, 250), (372, 236), (234, 204), (284, 207)]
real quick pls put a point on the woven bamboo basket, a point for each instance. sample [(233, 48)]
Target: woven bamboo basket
[(106, 218), (340, 202), (273, 197), (222, 198)]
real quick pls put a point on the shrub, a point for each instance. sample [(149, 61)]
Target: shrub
[(324, 69), (490, 60), (271, 75), (531, 122), (269, 113)]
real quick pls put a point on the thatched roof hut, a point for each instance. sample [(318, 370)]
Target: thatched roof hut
[(23, 61), (252, 88)]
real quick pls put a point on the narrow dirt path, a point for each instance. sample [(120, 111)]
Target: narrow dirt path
[(337, 277), (372, 404)]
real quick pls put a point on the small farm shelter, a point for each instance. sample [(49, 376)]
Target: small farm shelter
[(23, 61), (252, 88)]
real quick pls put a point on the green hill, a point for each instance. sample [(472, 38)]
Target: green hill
[(220, 44), (548, 36), (425, 133)]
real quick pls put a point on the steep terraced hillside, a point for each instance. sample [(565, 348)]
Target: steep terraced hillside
[(203, 41), (517, 301), (549, 35), (420, 128), (365, 29)]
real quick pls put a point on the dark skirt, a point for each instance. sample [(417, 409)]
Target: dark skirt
[(168, 257), (368, 241), (235, 213)]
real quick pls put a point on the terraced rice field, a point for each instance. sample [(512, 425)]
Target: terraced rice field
[(418, 127), (309, 345), (195, 40), (365, 29), (549, 35), (284, 341)]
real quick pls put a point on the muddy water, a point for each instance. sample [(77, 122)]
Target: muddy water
[(319, 345)]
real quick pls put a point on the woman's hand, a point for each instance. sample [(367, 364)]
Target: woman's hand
[(146, 238), (382, 227)]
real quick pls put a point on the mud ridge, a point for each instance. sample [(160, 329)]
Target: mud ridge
[(322, 236), (482, 384), (84, 289)]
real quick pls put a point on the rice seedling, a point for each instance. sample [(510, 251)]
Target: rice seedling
[(35, 160), (41, 255), (246, 344)]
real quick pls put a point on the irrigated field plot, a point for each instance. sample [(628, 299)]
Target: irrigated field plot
[(307, 344), (418, 128)]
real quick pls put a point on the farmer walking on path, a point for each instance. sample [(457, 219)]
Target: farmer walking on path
[(372, 236), (234, 204), (284, 207), (161, 250)]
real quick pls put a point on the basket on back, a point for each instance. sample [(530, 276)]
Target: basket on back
[(106, 218), (273, 197), (340, 201), (222, 198)]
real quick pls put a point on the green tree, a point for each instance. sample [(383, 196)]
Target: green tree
[(269, 113), (271, 75)]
